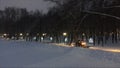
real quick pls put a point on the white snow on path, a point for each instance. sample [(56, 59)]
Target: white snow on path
[(21, 54)]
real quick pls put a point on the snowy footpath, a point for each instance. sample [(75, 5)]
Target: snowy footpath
[(21, 54)]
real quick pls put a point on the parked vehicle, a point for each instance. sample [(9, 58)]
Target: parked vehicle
[(81, 43)]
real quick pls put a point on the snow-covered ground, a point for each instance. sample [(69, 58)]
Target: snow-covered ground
[(21, 54)]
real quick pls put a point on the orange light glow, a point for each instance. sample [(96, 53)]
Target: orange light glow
[(106, 49), (83, 43)]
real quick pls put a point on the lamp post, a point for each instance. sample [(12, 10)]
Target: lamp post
[(21, 36), (64, 34), (65, 38), (43, 36)]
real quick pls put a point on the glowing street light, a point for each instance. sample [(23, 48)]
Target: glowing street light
[(5, 34), (21, 34), (64, 34), (65, 38), (44, 34)]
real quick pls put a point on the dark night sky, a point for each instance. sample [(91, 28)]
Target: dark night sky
[(29, 4)]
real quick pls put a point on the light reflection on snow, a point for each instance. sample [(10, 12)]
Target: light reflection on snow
[(106, 49), (64, 45)]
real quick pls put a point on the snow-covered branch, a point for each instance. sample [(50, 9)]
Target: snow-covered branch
[(103, 14)]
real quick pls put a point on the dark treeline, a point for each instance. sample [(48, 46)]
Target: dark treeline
[(18, 20), (94, 18)]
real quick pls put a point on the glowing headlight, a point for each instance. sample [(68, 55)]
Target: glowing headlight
[(83, 43)]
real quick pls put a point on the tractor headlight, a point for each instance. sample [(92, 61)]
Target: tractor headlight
[(83, 43)]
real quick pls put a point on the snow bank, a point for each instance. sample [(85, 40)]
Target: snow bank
[(21, 54)]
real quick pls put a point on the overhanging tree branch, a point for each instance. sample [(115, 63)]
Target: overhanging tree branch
[(97, 13), (103, 14)]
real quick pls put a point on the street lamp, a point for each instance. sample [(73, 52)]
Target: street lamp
[(65, 38), (44, 34), (5, 34), (64, 34), (21, 34)]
